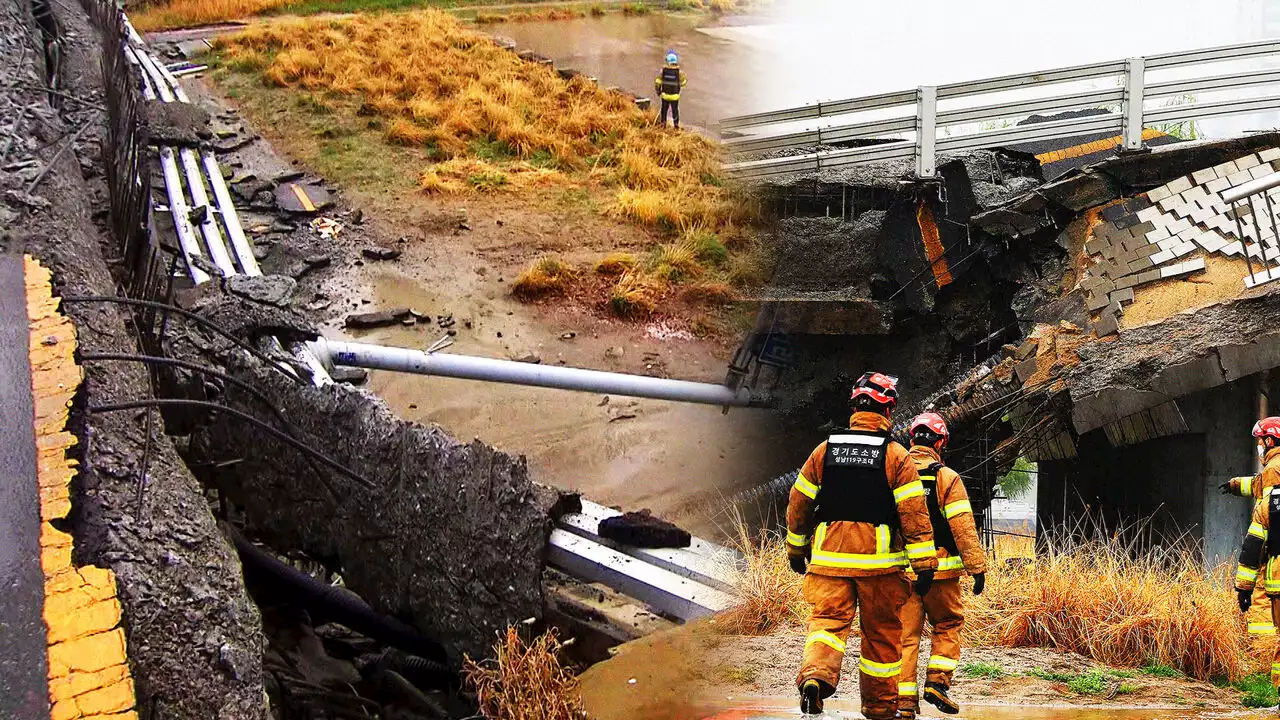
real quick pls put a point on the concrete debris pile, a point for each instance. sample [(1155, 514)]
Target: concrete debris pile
[(446, 535)]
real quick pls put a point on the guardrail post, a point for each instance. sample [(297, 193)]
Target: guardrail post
[(1133, 93), (926, 131)]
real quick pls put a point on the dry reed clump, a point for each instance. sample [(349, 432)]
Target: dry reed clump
[(464, 175), (713, 293), (616, 263), (1107, 600), (771, 594), (636, 295), (189, 13), (545, 277), (525, 681)]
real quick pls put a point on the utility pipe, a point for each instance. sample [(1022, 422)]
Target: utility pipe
[(377, 357)]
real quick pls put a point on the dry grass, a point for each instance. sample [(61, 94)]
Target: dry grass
[(635, 295), (771, 593), (712, 293), (188, 13), (1103, 598), (616, 263), (495, 123), (547, 276), (1110, 601), (525, 681)]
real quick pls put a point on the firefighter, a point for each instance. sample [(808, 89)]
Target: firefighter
[(857, 517), (1258, 619), (1261, 547), (668, 84), (959, 552)]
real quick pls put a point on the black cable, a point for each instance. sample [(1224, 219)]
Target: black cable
[(214, 372), (278, 434), (199, 320), (337, 604)]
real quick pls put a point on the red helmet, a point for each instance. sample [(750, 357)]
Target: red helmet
[(1267, 427), (877, 386), (932, 422)]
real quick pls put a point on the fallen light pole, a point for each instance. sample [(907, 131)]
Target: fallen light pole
[(377, 357)]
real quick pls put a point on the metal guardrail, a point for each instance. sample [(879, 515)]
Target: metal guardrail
[(927, 120)]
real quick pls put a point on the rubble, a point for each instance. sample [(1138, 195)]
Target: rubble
[(380, 318), (642, 529)]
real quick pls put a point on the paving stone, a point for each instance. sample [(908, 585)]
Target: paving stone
[(1160, 233), (1126, 282), (1269, 154), (1180, 185), (1104, 231), (1140, 230), (1155, 195), (1178, 226), (1210, 202), (1107, 325), (1201, 215), (1124, 222), (1247, 162), (1204, 176), (1193, 193), (1169, 202), (1183, 268), (1147, 250), (1148, 276), (1122, 297), (1108, 252), (1239, 178), (1169, 243), (1261, 171), (1226, 169), (1094, 246), (1162, 257), (1142, 263), (1149, 214), (1218, 185), (1025, 369), (1095, 302), (1136, 204), (1111, 213), (1185, 248), (1234, 248)]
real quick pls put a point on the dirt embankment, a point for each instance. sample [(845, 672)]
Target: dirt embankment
[(695, 671)]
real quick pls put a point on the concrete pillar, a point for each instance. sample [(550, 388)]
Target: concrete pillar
[(1225, 415)]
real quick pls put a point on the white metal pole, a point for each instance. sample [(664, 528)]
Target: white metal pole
[(1135, 69), (377, 357), (926, 131)]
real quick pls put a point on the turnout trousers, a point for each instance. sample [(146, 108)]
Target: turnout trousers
[(672, 106), (876, 600), (945, 609)]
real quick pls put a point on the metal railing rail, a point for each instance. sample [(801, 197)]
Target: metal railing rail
[(927, 121)]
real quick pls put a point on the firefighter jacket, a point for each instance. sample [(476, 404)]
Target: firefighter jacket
[(847, 522), (1255, 486), (954, 532), (669, 82), (1260, 550)]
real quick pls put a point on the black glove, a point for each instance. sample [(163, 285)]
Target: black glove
[(1246, 599), (924, 579), (797, 563), (979, 583), (1225, 488)]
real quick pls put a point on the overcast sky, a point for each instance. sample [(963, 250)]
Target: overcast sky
[(826, 49)]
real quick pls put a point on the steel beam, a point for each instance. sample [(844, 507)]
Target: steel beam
[(668, 593), (1133, 98)]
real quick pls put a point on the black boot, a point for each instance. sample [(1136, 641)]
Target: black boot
[(811, 697), (936, 694)]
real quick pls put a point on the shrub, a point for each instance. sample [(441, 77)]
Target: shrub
[(635, 295), (616, 263), (525, 681)]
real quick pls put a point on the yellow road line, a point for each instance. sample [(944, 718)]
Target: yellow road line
[(303, 197), (88, 668), (1090, 148)]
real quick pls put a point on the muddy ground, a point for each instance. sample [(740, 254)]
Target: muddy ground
[(695, 671), (458, 259)]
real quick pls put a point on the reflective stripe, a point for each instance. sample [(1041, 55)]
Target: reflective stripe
[(857, 561), (878, 669), (882, 539), (856, 440), (908, 689), (1262, 628), (826, 638), (1275, 670), (805, 487), (958, 507), (1246, 486), (915, 551), (797, 540), (1258, 531), (953, 562), (937, 662), (908, 491), (1244, 574)]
